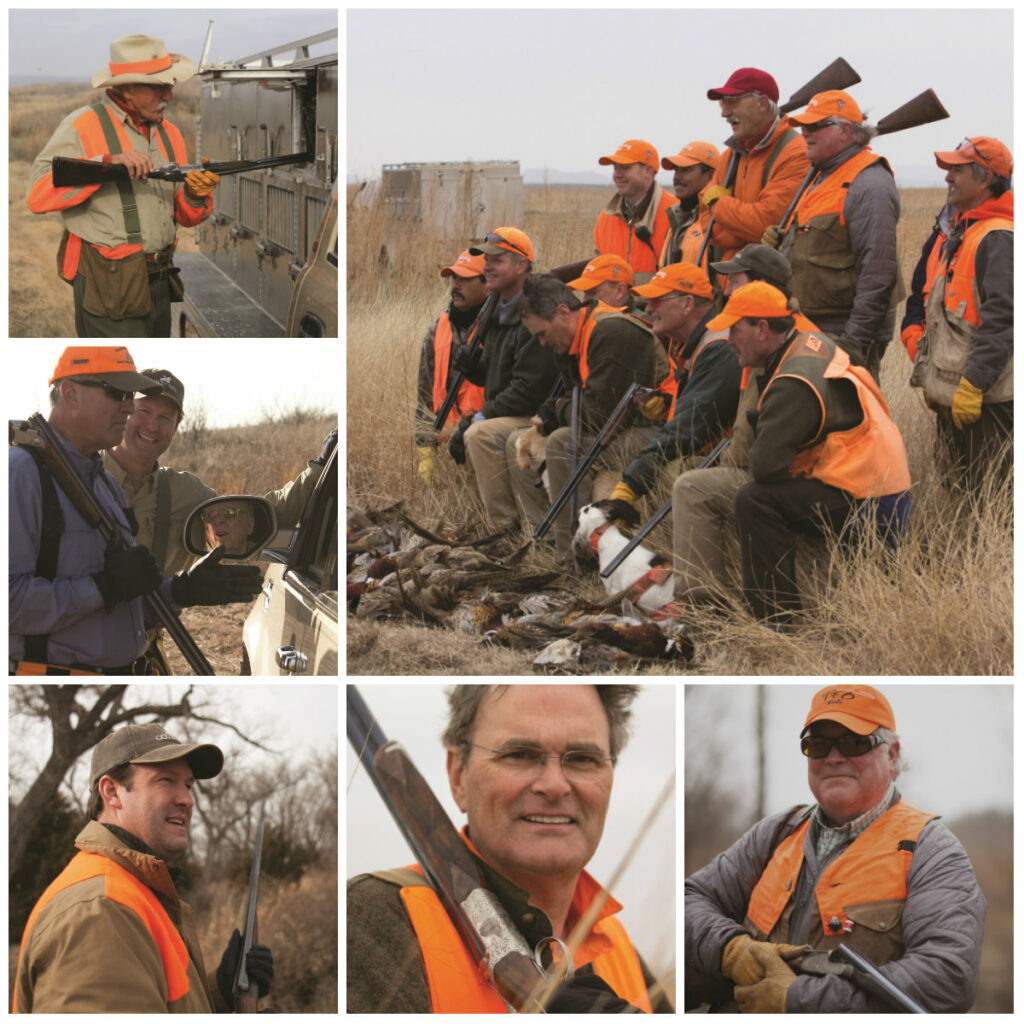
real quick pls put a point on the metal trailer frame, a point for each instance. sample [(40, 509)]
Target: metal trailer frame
[(263, 224)]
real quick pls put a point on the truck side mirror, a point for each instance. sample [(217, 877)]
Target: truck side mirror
[(243, 523)]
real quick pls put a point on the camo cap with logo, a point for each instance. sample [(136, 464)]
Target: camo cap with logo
[(170, 387), (152, 744), (862, 709)]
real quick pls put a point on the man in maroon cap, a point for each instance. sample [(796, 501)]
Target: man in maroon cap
[(635, 222), (859, 866), (768, 157), (964, 359)]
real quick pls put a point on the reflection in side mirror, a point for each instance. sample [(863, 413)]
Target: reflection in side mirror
[(244, 524)]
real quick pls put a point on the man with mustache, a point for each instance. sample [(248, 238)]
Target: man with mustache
[(446, 335), (119, 238), (110, 934), (75, 602), (532, 768), (692, 169), (860, 866)]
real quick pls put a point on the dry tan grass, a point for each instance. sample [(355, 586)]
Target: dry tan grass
[(945, 609)]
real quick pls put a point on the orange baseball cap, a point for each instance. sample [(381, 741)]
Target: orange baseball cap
[(467, 265), (982, 150), (603, 268), (758, 299), (862, 709), (687, 278), (504, 240), (832, 103), (632, 151), (692, 153), (110, 364)]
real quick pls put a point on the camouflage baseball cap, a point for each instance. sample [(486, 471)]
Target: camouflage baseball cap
[(170, 387), (152, 744)]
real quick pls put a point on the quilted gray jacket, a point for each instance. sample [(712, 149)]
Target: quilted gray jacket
[(943, 919)]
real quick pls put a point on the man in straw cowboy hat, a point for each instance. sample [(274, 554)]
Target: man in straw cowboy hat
[(119, 237)]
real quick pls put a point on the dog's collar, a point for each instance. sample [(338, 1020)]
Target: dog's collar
[(598, 534)]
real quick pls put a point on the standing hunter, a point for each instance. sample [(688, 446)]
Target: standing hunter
[(118, 245)]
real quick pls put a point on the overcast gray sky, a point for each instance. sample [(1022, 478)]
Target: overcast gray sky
[(73, 44), (956, 737), (415, 715), (556, 89)]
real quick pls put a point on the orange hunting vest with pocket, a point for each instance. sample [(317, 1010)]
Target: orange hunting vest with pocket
[(859, 896), (471, 397), (124, 888), (457, 985), (613, 235)]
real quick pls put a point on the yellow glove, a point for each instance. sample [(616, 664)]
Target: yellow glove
[(769, 994), (713, 193), (654, 408), (741, 964), (428, 464), (966, 404), (772, 236), (199, 184), (623, 492)]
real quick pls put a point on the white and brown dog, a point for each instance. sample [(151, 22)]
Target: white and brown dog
[(644, 577)]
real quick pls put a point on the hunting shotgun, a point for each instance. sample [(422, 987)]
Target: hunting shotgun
[(70, 172), (37, 434), (475, 341), (712, 457), (245, 991), (481, 921), (922, 109), (838, 75)]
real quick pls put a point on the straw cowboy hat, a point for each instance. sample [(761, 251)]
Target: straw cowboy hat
[(143, 59)]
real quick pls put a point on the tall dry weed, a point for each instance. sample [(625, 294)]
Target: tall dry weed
[(944, 608)]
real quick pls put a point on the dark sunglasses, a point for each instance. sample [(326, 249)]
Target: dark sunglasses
[(817, 126), (502, 242), (114, 394), (849, 745)]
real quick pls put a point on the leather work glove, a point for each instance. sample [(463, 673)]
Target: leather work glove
[(259, 965), (209, 583), (587, 993), (910, 337), (427, 464), (546, 419), (713, 193), (654, 408), (741, 961), (466, 360), (127, 573), (769, 994), (966, 407), (772, 236), (330, 443), (199, 184), (623, 492), (457, 444)]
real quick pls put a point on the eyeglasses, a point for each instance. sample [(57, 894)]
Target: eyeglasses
[(530, 761), (214, 514), (504, 243), (809, 129), (849, 745), (969, 147), (114, 394)]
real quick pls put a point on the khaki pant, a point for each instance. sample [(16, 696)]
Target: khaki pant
[(485, 452), (594, 486), (704, 529), (157, 324)]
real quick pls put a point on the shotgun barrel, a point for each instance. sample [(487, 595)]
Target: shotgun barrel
[(245, 991), (476, 339), (69, 172)]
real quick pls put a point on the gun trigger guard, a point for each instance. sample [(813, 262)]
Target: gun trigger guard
[(565, 969)]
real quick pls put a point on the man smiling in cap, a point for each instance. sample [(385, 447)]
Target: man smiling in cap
[(110, 934), (860, 866), (692, 168)]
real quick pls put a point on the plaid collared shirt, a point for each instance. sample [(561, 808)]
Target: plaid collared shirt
[(829, 837)]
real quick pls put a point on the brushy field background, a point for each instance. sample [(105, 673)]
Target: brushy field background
[(40, 302), (947, 609)]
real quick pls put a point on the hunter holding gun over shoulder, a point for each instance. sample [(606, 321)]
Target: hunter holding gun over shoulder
[(861, 867), (119, 237), (532, 768), (110, 934)]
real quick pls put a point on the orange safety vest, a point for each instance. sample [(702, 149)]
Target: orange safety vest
[(458, 985), (829, 195), (961, 299), (613, 235), (868, 460), (124, 888), (680, 372), (872, 869), (470, 398)]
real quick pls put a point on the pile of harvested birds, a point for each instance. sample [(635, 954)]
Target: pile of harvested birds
[(397, 569)]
